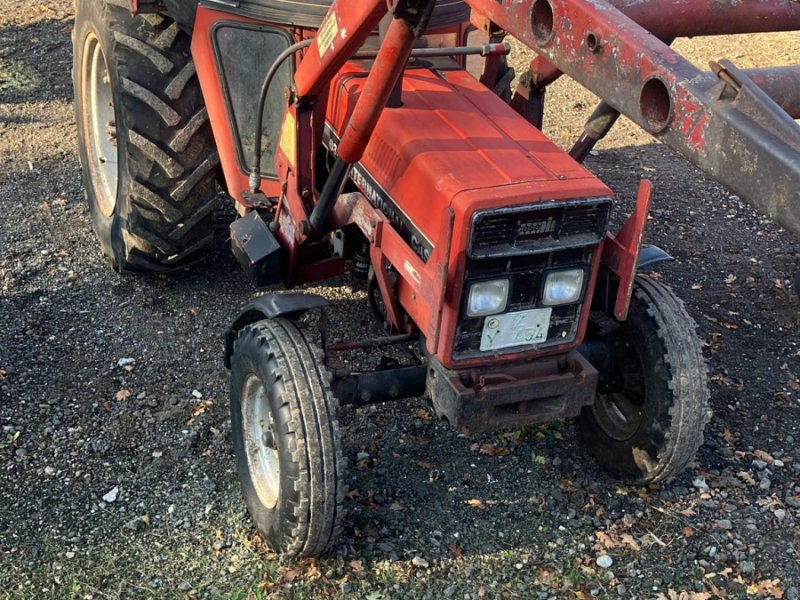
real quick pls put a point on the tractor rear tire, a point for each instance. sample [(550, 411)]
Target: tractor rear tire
[(147, 152), (647, 421), (286, 438)]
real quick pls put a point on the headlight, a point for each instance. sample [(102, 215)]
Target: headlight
[(487, 298), (563, 287)]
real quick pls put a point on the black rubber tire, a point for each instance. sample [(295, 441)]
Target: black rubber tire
[(306, 517), (160, 217), (669, 386)]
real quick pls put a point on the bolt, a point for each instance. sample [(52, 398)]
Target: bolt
[(593, 42)]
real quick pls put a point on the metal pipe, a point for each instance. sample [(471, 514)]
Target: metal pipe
[(381, 386), (372, 343), (330, 192), (782, 84), (690, 18), (500, 49), (388, 68), (255, 169), (597, 127)]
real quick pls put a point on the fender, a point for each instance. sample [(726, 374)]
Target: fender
[(650, 255), (271, 306)]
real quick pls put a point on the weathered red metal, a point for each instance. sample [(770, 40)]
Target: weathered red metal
[(733, 132), (621, 251), (490, 398), (671, 19), (342, 32), (690, 18), (782, 84), (383, 76), (207, 73)]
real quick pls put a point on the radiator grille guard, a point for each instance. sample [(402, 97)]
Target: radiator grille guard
[(524, 244)]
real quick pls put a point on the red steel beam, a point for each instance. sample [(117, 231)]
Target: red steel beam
[(688, 18), (726, 126), (782, 84), (340, 35), (670, 19)]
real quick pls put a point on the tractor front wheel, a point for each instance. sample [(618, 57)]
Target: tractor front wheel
[(647, 420), (286, 438)]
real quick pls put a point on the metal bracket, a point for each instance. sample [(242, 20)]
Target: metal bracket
[(621, 251)]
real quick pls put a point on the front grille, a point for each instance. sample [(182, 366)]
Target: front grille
[(533, 229), (524, 244)]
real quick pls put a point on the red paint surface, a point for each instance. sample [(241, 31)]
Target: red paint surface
[(476, 153)]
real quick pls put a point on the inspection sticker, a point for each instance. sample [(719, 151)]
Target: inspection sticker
[(288, 138), (327, 33), (516, 329)]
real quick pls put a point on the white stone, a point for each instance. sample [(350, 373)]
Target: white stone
[(111, 495), (604, 561)]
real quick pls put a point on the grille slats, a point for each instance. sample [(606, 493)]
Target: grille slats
[(531, 229)]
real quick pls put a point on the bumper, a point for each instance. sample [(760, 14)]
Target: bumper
[(478, 400)]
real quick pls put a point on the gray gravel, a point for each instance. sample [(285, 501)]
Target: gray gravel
[(116, 382)]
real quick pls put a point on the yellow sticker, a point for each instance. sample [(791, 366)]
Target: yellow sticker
[(327, 33), (288, 138)]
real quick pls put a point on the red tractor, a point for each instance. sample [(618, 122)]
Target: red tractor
[(381, 138)]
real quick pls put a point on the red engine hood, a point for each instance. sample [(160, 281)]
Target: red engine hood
[(454, 143)]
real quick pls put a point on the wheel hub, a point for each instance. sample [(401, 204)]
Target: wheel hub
[(99, 125), (619, 405), (260, 441)]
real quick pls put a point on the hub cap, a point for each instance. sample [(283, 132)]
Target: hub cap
[(622, 395), (260, 441), (99, 125)]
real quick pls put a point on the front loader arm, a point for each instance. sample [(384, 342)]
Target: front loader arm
[(720, 121)]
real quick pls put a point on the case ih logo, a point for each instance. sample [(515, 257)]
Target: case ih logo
[(535, 229)]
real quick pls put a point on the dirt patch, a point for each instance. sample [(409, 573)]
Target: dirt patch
[(116, 474)]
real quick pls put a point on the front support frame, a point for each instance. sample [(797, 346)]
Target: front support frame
[(726, 128)]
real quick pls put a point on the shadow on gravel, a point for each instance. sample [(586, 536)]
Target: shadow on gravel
[(36, 62), (12, 120)]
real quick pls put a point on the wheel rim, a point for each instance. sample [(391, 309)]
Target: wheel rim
[(622, 395), (99, 125), (260, 441)]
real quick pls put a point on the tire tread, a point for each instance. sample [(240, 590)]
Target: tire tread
[(302, 384)]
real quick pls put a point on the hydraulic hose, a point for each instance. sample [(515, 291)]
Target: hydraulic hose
[(255, 171)]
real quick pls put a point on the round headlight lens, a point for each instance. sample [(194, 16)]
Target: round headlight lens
[(487, 298), (563, 287)]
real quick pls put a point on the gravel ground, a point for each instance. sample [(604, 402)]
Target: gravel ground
[(116, 471)]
